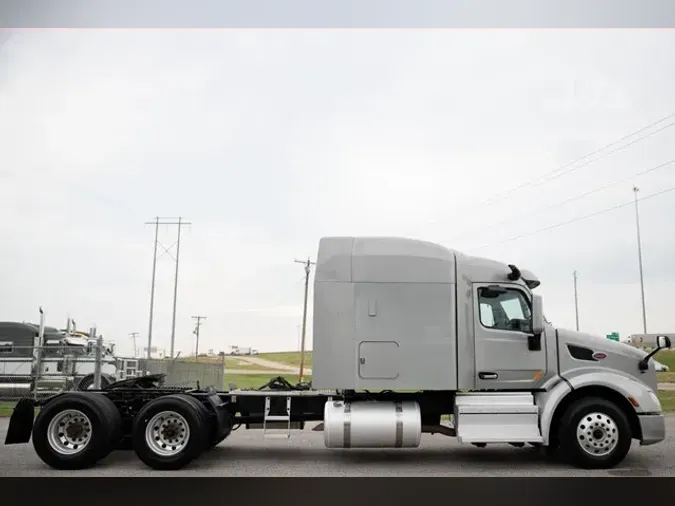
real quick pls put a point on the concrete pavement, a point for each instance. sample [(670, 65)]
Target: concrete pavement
[(248, 453)]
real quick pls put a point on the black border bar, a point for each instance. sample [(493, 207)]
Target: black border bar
[(337, 491)]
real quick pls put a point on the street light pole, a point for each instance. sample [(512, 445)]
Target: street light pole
[(639, 244)]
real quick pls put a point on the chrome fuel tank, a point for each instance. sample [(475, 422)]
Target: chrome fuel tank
[(372, 424)]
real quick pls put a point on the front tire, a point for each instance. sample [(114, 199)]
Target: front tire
[(594, 434)]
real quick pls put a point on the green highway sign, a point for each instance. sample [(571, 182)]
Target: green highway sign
[(614, 336)]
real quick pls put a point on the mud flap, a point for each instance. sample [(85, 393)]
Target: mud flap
[(223, 421), (21, 422)]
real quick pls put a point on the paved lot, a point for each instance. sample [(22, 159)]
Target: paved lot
[(247, 453)]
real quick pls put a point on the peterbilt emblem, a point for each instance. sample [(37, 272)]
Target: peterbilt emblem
[(598, 355)]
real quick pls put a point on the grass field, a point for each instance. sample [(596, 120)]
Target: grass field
[(666, 358), (288, 357), (291, 358), (234, 363), (6, 408)]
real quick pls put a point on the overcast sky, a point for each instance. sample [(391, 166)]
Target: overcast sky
[(268, 140)]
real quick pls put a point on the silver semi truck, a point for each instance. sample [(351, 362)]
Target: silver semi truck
[(409, 338)]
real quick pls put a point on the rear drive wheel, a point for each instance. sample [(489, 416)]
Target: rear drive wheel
[(169, 432), (594, 434), (215, 437), (75, 431)]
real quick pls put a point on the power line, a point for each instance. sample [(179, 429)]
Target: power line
[(570, 164), (603, 211), (553, 178), (567, 201)]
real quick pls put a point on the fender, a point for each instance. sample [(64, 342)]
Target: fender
[(626, 386), (548, 401)]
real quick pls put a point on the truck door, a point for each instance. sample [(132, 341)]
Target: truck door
[(502, 320)]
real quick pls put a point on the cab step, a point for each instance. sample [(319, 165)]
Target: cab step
[(497, 418)]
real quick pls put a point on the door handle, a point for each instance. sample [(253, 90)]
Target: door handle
[(362, 361), (488, 375)]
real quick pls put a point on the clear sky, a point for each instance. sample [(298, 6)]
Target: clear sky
[(268, 140)]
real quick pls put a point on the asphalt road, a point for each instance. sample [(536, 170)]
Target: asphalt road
[(248, 453)]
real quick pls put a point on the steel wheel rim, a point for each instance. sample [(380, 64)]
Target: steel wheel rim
[(69, 432), (167, 433), (597, 434)]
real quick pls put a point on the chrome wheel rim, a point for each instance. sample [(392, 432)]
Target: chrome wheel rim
[(167, 433), (69, 432), (597, 434)]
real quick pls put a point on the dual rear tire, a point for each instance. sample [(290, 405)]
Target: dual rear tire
[(171, 431), (76, 430)]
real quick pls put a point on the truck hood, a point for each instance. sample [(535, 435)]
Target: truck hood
[(601, 344), (620, 357)]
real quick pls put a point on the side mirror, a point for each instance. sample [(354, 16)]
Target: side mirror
[(537, 314), (663, 342), (534, 341)]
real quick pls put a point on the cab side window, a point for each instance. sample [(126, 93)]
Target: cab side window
[(504, 309)]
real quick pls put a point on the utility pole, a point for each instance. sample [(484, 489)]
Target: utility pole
[(134, 335), (639, 244), (308, 265), (175, 289), (152, 292), (576, 301), (196, 333), (157, 222)]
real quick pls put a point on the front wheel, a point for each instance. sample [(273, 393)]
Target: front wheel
[(594, 434)]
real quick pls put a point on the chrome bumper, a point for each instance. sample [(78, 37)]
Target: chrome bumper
[(653, 429)]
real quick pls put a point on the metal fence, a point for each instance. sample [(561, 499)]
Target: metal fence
[(186, 373), (28, 371)]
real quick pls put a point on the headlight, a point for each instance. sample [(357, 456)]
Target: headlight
[(656, 400)]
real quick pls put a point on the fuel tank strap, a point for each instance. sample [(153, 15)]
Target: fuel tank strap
[(399, 425), (347, 426)]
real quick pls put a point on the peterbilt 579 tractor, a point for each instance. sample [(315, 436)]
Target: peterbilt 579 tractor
[(407, 334)]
